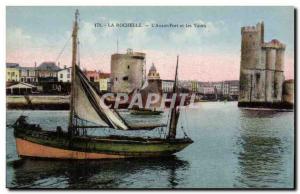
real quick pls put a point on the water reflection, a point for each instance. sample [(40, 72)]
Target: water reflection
[(260, 113), (260, 156), (34, 173), (232, 148)]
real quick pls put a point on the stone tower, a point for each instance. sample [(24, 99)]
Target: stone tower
[(127, 71), (261, 72), (153, 85), (153, 74), (252, 74), (274, 70)]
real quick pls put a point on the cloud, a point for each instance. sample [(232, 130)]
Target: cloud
[(16, 38), (87, 33)]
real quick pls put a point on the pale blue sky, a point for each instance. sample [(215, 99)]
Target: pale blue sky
[(48, 28)]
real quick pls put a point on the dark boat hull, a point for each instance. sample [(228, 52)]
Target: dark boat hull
[(42, 144)]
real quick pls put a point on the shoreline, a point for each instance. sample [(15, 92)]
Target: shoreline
[(60, 102)]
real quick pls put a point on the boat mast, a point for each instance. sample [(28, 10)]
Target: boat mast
[(174, 113), (74, 60)]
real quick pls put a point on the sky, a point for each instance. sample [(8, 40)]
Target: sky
[(211, 53)]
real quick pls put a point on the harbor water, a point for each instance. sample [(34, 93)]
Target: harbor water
[(233, 148)]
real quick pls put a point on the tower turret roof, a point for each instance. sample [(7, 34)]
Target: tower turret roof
[(152, 68)]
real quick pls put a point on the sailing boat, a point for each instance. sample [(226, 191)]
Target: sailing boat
[(86, 107)]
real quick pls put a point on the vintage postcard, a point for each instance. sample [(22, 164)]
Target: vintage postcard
[(145, 97)]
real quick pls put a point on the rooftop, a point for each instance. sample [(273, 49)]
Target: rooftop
[(274, 44), (27, 68), (12, 65), (152, 68), (50, 66), (104, 75)]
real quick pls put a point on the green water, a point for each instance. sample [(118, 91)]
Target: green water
[(233, 148)]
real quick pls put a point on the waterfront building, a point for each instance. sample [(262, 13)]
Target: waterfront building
[(93, 76), (20, 89), (219, 87), (28, 74), (194, 86), (208, 90), (12, 72), (167, 85), (64, 75), (185, 85), (127, 71), (104, 81), (262, 67), (47, 72), (225, 89), (234, 87)]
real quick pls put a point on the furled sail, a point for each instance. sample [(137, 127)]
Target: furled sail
[(88, 105)]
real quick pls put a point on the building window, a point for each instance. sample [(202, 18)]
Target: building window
[(61, 76), (116, 79), (125, 78), (128, 67), (257, 78)]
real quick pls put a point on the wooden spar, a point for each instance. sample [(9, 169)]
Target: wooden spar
[(174, 113), (176, 77), (74, 55)]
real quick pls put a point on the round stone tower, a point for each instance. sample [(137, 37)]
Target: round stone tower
[(262, 68), (279, 71), (251, 46), (274, 70), (252, 73), (270, 72), (127, 71)]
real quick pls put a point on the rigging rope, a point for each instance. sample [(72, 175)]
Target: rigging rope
[(63, 49)]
